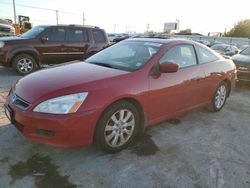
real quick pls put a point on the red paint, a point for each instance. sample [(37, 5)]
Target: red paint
[(161, 95), (168, 67)]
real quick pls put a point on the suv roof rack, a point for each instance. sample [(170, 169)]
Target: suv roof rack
[(89, 26)]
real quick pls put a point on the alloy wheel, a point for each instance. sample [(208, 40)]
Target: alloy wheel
[(220, 96), (25, 65), (119, 128)]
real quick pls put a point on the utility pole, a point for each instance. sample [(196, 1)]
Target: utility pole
[(178, 23), (114, 28), (14, 8), (83, 18), (148, 28), (57, 17)]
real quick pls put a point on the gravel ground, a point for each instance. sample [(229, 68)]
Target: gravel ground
[(199, 149)]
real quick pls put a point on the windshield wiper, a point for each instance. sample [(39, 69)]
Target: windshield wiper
[(102, 64), (110, 66)]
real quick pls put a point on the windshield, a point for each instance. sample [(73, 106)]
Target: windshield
[(33, 32), (127, 55)]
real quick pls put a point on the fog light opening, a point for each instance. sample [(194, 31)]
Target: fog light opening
[(43, 132)]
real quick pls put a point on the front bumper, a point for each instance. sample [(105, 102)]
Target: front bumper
[(70, 130), (6, 34), (243, 75)]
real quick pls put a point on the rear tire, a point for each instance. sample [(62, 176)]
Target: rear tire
[(117, 127), (220, 97), (24, 64)]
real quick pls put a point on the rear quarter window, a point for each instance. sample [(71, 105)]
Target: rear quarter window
[(183, 55), (205, 55), (98, 36), (77, 35)]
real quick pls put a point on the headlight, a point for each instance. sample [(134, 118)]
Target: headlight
[(62, 105), (1, 44)]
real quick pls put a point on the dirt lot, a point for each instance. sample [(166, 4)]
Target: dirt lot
[(199, 149)]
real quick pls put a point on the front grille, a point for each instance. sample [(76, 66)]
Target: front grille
[(243, 76), (243, 67), (5, 29), (43, 132), (19, 102), (6, 34)]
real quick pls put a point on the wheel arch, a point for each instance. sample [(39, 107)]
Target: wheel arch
[(32, 54), (228, 82), (134, 102)]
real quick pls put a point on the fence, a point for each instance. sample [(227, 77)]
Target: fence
[(227, 40)]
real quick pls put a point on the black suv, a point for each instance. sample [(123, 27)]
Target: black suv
[(51, 45)]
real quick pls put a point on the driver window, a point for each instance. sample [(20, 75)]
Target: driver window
[(183, 55)]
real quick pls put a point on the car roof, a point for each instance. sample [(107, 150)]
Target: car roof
[(223, 44), (71, 25), (163, 41)]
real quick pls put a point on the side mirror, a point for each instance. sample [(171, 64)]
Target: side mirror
[(44, 39), (168, 67)]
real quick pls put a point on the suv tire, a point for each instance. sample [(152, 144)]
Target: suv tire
[(24, 64)]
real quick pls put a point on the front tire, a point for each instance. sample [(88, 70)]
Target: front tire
[(220, 97), (117, 127), (24, 64)]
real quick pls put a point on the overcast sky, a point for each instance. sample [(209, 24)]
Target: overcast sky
[(134, 15)]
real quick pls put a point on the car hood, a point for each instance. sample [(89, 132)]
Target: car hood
[(220, 52), (5, 26), (241, 58), (6, 39), (64, 79)]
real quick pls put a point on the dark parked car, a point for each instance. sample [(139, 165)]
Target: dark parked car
[(111, 37), (51, 45), (225, 49), (214, 42), (242, 47), (118, 92), (120, 37), (242, 62), (117, 37)]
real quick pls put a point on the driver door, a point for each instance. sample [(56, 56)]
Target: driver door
[(172, 93), (53, 49)]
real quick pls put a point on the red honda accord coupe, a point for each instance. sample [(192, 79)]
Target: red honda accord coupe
[(116, 93)]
